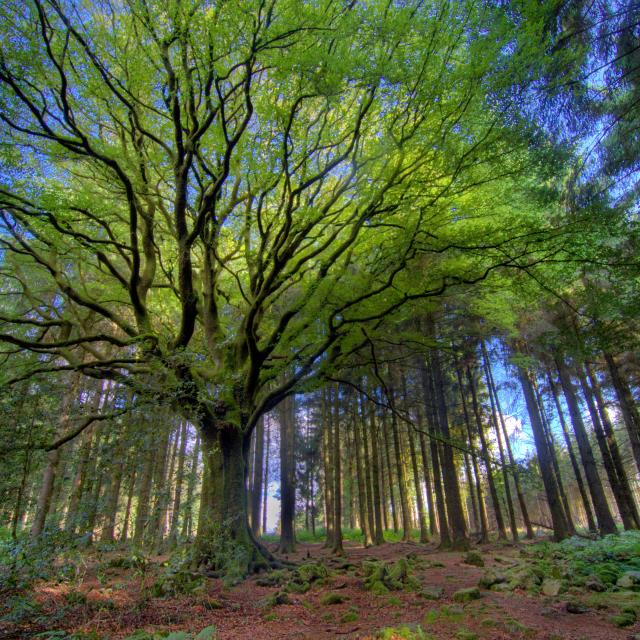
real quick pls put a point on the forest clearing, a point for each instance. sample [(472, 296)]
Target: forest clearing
[(319, 318)]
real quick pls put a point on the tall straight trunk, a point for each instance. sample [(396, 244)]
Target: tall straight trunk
[(586, 501), (621, 472), (558, 518), (402, 480), (503, 462), (353, 482), (428, 392), (617, 484), (157, 522), (22, 488), (144, 491), (456, 521), (117, 468), (94, 496), (606, 524), (53, 459), (554, 458), (265, 492), (366, 461), (627, 405), (516, 476), (329, 482), (472, 505), (384, 484), (502, 532), (482, 512), (287, 475), (79, 480), (378, 533), (387, 452), (422, 519), (337, 492), (256, 484), (124, 534), (177, 496), (187, 522), (427, 475), (361, 479)]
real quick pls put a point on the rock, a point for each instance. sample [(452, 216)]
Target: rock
[(503, 586), (431, 593), (628, 579), (551, 587), (593, 583), (466, 595), (492, 577), (474, 558), (281, 597), (573, 606)]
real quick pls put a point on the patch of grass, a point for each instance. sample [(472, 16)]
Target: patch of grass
[(332, 597), (350, 616), (446, 613), (404, 632), (208, 633)]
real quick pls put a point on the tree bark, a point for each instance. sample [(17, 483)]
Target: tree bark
[(287, 475), (482, 512), (516, 476), (502, 532), (606, 524), (616, 483), (53, 460), (558, 518), (613, 445), (586, 501), (456, 521), (627, 405), (258, 472)]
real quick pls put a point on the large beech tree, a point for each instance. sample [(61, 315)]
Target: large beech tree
[(208, 202)]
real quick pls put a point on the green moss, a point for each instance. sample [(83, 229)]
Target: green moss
[(270, 617), (380, 577), (488, 623), (332, 597), (474, 558), (446, 613), (350, 616), (466, 595), (404, 632), (311, 571), (624, 619), (465, 634)]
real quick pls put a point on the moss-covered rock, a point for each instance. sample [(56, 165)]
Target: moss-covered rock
[(431, 593), (491, 577), (474, 558), (467, 595), (628, 580), (551, 586), (381, 577)]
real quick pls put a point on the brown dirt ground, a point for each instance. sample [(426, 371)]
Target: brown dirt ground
[(117, 607)]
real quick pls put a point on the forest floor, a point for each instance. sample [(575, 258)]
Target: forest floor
[(112, 599)]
